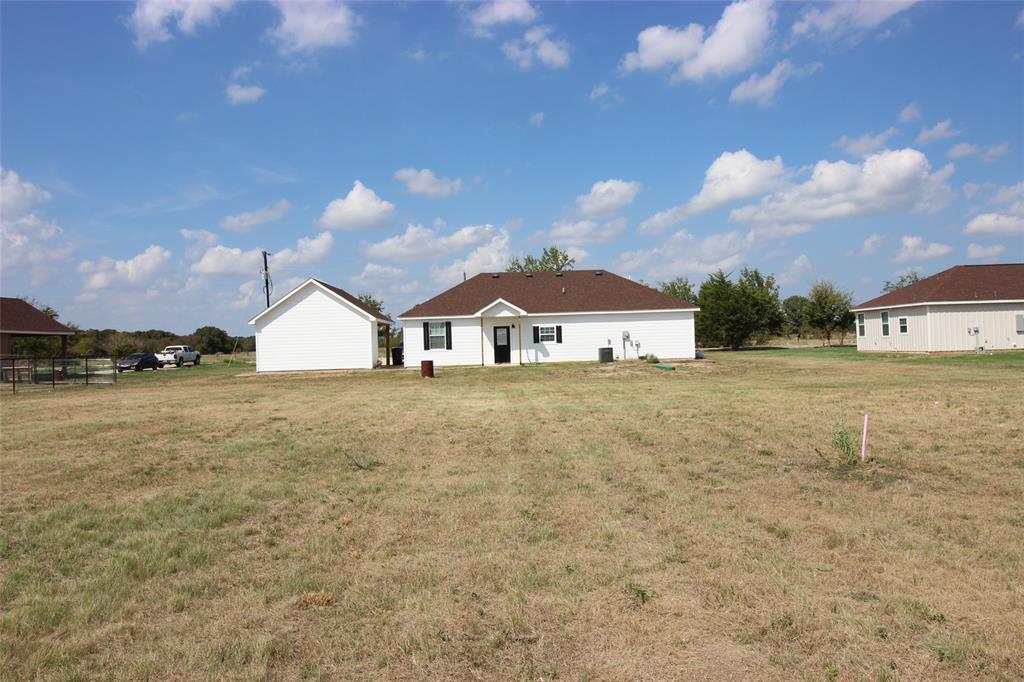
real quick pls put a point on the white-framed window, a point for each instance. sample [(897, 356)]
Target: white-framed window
[(437, 336), (904, 324), (546, 332), (885, 324), (860, 324)]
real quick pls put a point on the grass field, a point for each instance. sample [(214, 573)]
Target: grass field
[(574, 522)]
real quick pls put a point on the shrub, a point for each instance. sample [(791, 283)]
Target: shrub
[(844, 444), (652, 358)]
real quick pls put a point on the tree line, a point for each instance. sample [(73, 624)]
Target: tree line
[(101, 342)]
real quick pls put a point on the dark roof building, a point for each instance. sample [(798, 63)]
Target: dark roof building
[(20, 318), (961, 283), (537, 293), (964, 308)]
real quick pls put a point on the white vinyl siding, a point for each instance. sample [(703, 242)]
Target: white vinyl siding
[(943, 328), (314, 330), (668, 335)]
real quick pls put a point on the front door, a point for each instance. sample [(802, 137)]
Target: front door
[(502, 345)]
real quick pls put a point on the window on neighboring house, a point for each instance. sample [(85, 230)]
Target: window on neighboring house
[(885, 324), (437, 336), (547, 333), (860, 324), (904, 324)]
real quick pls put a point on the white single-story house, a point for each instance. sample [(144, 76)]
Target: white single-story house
[(317, 326), (968, 307), (528, 317)]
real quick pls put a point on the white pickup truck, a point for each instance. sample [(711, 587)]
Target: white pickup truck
[(177, 355)]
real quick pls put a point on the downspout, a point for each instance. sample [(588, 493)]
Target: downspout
[(928, 321), (481, 341)]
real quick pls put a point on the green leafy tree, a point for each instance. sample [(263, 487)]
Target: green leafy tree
[(680, 288), (373, 302), (794, 311), (733, 313), (552, 259), (212, 340), (828, 309), (901, 281)]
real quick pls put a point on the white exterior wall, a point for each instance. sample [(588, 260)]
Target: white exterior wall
[(668, 335), (996, 323), (944, 328), (465, 343), (314, 330), (916, 338)]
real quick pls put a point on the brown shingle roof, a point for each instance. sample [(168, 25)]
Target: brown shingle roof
[(576, 291), (959, 283), (354, 300), (18, 317)]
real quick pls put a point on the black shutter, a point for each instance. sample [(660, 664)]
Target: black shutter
[(448, 335), (536, 334), (558, 334), (426, 336)]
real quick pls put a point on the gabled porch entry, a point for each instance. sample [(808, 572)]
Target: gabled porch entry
[(501, 333)]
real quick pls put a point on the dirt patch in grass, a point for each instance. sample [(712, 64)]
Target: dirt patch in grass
[(570, 522)]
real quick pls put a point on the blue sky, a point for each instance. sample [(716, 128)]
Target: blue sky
[(151, 150)]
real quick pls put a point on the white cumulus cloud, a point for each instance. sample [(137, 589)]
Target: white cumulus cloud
[(735, 44), (914, 249), (1010, 222), (871, 244), (577, 233), (424, 181), (887, 181), (225, 260), (139, 272), (763, 89), (910, 113), (796, 270), (151, 19), (538, 46), (361, 208), (244, 94), (307, 26), (487, 15), (865, 145), (732, 176), (418, 242), (607, 197), (844, 17), (979, 251), (27, 241), (685, 253), (245, 221), (940, 131), (537, 119), (491, 256)]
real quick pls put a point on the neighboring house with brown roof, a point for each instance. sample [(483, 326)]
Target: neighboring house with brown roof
[(317, 326), (965, 308), (19, 318), (523, 318)]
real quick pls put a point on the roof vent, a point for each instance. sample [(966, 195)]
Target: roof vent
[(598, 273), (529, 274), (558, 274), (563, 290), (495, 276)]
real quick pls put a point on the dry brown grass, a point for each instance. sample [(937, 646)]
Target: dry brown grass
[(576, 522)]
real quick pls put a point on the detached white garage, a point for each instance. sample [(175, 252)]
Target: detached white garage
[(317, 326)]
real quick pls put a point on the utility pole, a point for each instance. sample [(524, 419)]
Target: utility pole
[(266, 277)]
